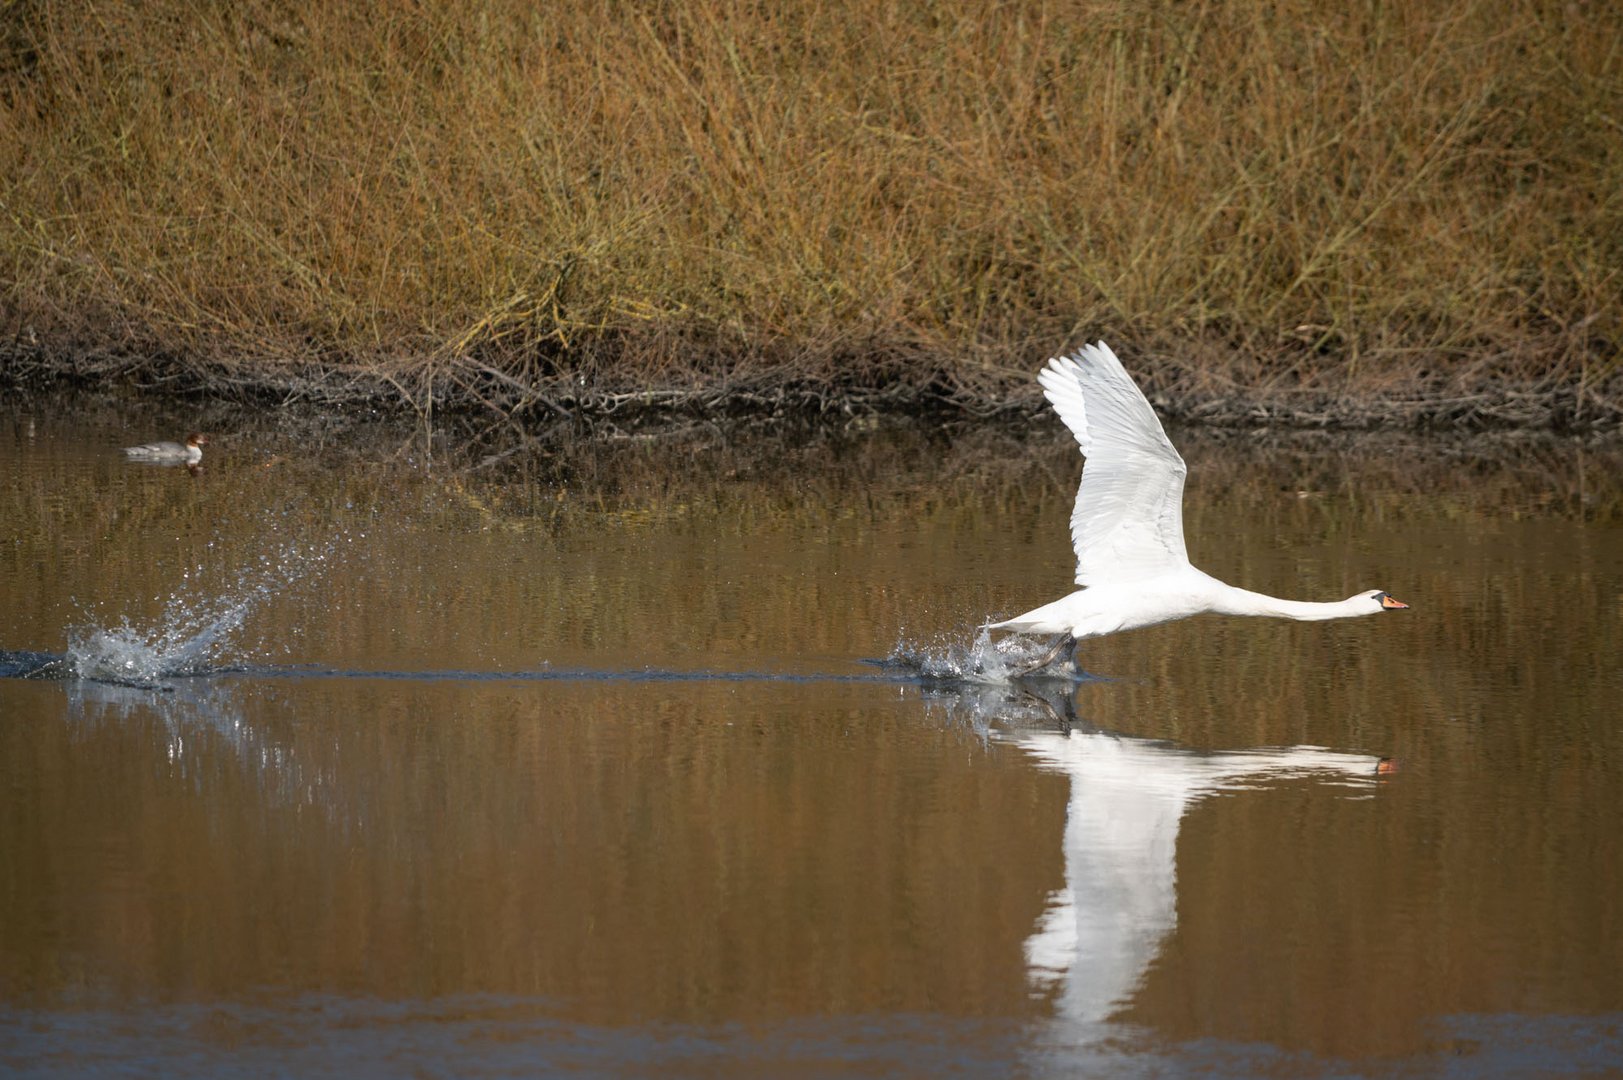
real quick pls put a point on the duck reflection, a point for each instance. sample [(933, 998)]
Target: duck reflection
[(1102, 929)]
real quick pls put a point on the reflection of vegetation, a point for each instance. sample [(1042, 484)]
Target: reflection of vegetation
[(519, 205), (523, 551), (472, 478), (419, 839), (1007, 469), (680, 850)]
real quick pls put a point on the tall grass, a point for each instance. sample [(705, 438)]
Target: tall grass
[(619, 193)]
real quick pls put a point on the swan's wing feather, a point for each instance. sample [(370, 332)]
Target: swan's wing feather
[(1128, 520)]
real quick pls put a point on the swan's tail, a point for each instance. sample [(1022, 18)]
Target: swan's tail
[(1039, 621)]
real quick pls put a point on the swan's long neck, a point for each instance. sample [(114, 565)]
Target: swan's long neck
[(1235, 601)]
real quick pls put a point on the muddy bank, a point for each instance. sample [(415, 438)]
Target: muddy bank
[(1210, 390)]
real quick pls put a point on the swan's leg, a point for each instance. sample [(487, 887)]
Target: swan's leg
[(1060, 647)]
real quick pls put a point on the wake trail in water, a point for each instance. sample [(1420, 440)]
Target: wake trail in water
[(549, 674), (197, 632), (120, 662)]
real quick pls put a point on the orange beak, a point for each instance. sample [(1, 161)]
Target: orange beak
[(1388, 602)]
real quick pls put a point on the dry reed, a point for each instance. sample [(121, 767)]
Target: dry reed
[(1294, 203)]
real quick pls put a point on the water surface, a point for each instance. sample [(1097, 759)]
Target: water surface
[(386, 749)]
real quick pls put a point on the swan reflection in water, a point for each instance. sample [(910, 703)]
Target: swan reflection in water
[(1103, 928)]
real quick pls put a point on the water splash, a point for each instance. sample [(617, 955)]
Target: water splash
[(981, 660), (188, 645), (196, 630)]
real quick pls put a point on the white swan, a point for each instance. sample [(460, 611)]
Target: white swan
[(1128, 522)]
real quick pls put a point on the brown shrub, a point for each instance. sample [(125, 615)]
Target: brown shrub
[(1351, 198)]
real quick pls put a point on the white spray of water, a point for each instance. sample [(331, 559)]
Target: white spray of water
[(980, 660), (195, 631)]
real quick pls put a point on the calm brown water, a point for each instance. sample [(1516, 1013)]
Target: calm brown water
[(465, 757)]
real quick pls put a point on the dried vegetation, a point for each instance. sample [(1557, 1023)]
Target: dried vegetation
[(1297, 212)]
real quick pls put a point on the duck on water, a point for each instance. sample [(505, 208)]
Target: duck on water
[(190, 452)]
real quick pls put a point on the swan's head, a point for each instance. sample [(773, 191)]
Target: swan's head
[(1382, 601)]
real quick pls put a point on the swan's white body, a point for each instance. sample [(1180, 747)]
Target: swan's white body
[(1127, 526), (1177, 594)]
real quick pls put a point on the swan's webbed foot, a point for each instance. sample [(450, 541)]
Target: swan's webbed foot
[(1061, 646)]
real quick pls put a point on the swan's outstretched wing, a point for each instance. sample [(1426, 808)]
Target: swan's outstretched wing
[(1128, 520)]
